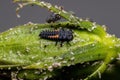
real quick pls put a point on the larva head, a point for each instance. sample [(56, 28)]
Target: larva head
[(69, 34), (65, 35)]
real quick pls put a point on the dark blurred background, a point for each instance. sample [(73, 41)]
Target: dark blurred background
[(104, 12)]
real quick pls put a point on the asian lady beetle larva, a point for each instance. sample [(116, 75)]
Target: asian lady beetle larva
[(60, 35)]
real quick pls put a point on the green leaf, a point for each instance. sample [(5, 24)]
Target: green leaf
[(21, 46), (24, 53)]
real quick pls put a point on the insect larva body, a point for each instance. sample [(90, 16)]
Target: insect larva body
[(61, 35)]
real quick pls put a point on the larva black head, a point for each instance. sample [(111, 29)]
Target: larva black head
[(53, 18), (65, 35)]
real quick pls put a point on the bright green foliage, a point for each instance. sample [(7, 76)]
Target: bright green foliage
[(24, 53)]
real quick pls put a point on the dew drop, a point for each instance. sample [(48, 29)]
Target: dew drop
[(94, 23), (93, 27), (19, 53), (59, 13), (31, 29), (56, 64), (30, 23), (95, 63), (48, 5), (108, 35), (36, 27), (113, 40), (112, 58), (25, 74), (14, 75), (40, 79), (18, 68), (110, 46), (99, 74), (73, 58), (56, 7), (20, 79), (87, 19), (104, 27), (50, 68), (37, 72), (64, 62), (71, 53), (9, 68), (88, 39), (19, 30), (27, 49), (44, 72), (89, 29), (6, 38), (45, 65), (71, 16), (38, 63), (88, 63), (1, 68), (10, 52), (64, 11), (45, 78), (33, 57), (42, 2), (68, 64), (18, 16), (50, 58), (117, 45), (60, 58), (34, 0), (84, 65), (4, 73), (15, 32), (110, 66), (81, 19), (11, 29), (118, 58), (93, 44), (20, 5)]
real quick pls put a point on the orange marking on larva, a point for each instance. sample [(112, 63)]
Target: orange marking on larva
[(55, 36)]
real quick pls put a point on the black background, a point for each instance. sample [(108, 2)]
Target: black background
[(104, 12)]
